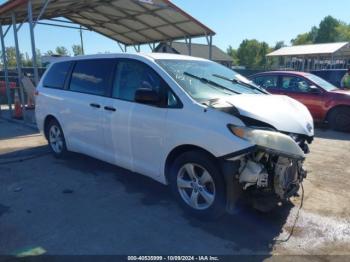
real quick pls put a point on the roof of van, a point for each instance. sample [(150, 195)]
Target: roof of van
[(150, 56)]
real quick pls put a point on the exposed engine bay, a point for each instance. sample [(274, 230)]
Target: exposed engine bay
[(268, 173), (271, 173)]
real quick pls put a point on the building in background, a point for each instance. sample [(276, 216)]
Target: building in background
[(196, 50), (312, 57)]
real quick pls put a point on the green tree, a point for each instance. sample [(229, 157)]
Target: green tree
[(11, 56), (77, 50), (233, 53), (50, 53), (302, 39), (279, 45), (330, 30), (252, 54), (343, 32), (27, 61), (327, 31), (62, 51), (38, 57), (263, 51)]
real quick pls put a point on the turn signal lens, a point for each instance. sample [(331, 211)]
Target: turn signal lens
[(240, 132)]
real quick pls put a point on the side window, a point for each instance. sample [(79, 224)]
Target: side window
[(266, 82), (92, 76), (295, 84), (57, 75), (131, 75)]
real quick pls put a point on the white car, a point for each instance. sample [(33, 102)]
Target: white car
[(186, 122)]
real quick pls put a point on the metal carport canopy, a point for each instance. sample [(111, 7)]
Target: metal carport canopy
[(130, 22)]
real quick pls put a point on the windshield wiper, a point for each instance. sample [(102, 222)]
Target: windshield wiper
[(210, 82), (236, 81)]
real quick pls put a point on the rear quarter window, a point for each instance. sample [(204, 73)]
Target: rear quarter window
[(92, 76), (57, 74)]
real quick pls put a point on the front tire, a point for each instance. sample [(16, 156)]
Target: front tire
[(57, 142), (198, 185), (339, 119)]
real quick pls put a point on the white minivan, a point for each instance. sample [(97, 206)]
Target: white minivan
[(186, 122)]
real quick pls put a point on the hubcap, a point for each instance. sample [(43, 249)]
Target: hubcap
[(196, 186), (56, 139)]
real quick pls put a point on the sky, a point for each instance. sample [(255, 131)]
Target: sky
[(232, 20)]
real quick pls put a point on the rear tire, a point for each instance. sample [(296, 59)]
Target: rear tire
[(198, 185), (57, 142), (339, 119)]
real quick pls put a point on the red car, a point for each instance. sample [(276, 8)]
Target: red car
[(326, 102)]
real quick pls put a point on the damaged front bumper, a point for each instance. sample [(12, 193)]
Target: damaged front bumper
[(273, 167)]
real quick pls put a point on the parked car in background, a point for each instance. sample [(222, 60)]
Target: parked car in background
[(326, 102), (190, 123)]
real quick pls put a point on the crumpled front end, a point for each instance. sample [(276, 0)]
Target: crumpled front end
[(273, 168), (266, 172)]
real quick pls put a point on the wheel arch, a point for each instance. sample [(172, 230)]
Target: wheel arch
[(47, 120), (335, 108), (179, 150)]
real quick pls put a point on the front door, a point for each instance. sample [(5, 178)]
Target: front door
[(299, 89), (136, 131), (268, 82)]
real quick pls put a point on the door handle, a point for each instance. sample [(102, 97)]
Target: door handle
[(95, 105), (109, 108)]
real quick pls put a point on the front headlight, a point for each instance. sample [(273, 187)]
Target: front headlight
[(269, 140)]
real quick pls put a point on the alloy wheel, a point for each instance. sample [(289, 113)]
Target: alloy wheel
[(196, 186), (56, 139)]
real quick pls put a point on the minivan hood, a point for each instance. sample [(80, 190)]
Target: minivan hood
[(282, 112)]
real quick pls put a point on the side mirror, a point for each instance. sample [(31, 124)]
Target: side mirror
[(147, 96), (314, 90)]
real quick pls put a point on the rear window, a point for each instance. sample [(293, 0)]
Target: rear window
[(56, 75), (92, 76)]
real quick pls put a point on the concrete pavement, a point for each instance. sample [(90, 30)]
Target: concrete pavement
[(84, 206)]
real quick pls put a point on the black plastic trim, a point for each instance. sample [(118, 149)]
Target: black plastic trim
[(239, 153)]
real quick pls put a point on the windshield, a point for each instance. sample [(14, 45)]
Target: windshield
[(321, 82), (200, 79)]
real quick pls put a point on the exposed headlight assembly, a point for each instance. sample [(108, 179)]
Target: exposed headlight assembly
[(270, 141)]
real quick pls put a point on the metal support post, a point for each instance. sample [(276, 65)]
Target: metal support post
[(42, 11), (5, 67), (137, 48), (82, 41), (121, 47), (18, 61), (210, 44), (285, 62), (332, 61), (303, 64), (32, 39)]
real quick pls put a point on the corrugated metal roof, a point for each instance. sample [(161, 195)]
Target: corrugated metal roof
[(199, 50), (317, 49), (130, 22)]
